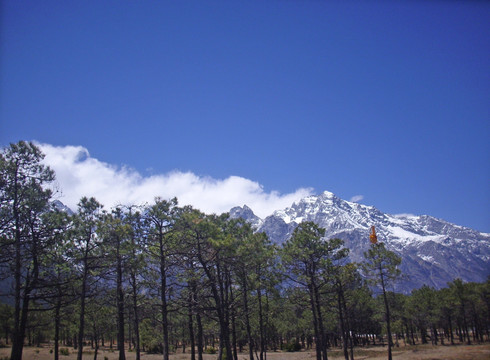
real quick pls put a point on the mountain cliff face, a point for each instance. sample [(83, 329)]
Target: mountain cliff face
[(433, 251)]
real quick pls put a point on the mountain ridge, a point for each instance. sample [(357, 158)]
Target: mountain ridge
[(433, 250)]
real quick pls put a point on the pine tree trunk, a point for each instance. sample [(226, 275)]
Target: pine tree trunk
[(136, 316), (347, 326), (388, 319), (247, 321), (191, 327), (233, 327), (315, 323), (320, 323), (465, 325), (18, 335), (200, 346), (57, 325), (82, 304), (164, 311), (342, 324), (120, 305), (96, 340), (261, 325)]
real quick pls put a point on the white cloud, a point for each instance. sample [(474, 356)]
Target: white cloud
[(79, 175), (356, 198), (404, 215)]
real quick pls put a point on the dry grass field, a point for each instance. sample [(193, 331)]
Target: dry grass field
[(429, 352)]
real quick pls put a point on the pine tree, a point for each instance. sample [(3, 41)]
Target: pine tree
[(160, 218), (23, 199), (136, 269), (85, 252), (308, 259), (381, 267)]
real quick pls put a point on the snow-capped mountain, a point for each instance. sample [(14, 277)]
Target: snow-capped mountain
[(58, 205), (433, 251)]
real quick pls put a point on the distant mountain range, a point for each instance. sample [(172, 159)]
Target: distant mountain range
[(433, 251)]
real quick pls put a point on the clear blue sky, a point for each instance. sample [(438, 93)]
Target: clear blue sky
[(385, 99)]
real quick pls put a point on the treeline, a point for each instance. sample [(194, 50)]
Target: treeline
[(161, 278)]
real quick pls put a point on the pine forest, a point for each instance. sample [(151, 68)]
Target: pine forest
[(166, 279)]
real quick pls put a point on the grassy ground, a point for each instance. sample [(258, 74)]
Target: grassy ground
[(429, 352)]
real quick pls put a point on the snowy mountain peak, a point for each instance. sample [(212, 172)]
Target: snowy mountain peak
[(58, 205), (247, 214), (433, 250), (327, 195)]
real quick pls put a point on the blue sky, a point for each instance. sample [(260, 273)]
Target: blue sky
[(386, 100)]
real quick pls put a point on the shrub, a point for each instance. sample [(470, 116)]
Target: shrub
[(292, 346), (155, 349), (210, 350), (64, 351)]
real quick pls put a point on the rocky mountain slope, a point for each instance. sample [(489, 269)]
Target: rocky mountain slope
[(433, 251)]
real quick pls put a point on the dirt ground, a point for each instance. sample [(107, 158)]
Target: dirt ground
[(418, 352)]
